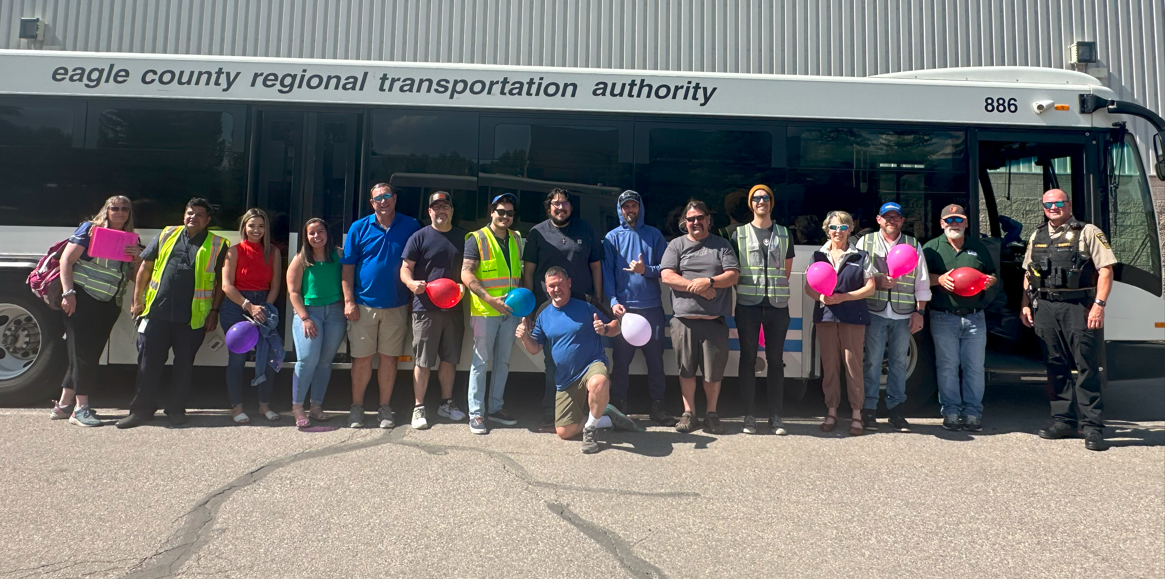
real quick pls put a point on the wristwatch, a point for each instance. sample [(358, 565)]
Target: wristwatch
[(1100, 302)]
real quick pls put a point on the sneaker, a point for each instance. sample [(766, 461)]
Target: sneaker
[(356, 416), (777, 425), (688, 423), (660, 415), (419, 420), (477, 425), (620, 421), (384, 413), (590, 443), (897, 421), (712, 423), (546, 424), (60, 412), (450, 410), (84, 416), (869, 419), (503, 418), (952, 422), (973, 423), (750, 425)]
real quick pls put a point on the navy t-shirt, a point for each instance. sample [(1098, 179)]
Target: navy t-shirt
[(376, 253), (570, 332), (437, 254), (572, 248)]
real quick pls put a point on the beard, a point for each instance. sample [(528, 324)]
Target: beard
[(559, 222), (954, 233)]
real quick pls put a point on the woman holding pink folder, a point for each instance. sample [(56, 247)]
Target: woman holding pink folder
[(91, 311)]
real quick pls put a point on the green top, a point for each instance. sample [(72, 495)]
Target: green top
[(941, 257), (321, 282)]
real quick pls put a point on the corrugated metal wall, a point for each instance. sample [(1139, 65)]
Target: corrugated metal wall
[(825, 37)]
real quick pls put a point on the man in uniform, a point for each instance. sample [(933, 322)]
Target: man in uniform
[(897, 306), (434, 253), (1069, 274), (492, 266), (177, 294), (765, 252)]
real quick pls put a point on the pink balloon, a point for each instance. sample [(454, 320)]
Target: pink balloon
[(901, 260), (821, 277)]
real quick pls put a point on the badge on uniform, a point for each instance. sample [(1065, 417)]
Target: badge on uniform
[(1103, 241)]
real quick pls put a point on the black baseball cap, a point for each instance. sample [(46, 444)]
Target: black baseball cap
[(440, 196)]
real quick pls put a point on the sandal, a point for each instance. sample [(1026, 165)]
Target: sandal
[(272, 416), (301, 419), (856, 428), (317, 413), (829, 424), (242, 418)]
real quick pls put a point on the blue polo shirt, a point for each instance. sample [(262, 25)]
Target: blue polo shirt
[(376, 253), (569, 331)]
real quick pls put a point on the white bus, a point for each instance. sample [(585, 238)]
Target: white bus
[(307, 138)]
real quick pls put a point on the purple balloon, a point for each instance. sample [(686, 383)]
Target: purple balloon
[(242, 337)]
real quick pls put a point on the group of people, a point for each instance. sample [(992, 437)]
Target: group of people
[(189, 280)]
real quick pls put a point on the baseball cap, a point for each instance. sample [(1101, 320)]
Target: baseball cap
[(953, 210), (630, 195), (888, 207), (513, 199), (440, 196)]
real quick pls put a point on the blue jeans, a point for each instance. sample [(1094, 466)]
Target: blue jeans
[(623, 353), (493, 341), (883, 332), (230, 315), (313, 366), (960, 342)]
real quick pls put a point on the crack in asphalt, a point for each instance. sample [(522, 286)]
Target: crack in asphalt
[(58, 566), (610, 542)]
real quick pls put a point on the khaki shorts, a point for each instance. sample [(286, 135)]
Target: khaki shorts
[(700, 345), (570, 405), (379, 330), (437, 337)]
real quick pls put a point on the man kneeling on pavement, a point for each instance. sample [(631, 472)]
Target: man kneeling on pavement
[(580, 376)]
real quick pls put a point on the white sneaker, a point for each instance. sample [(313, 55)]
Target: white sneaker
[(477, 425), (450, 410), (419, 421)]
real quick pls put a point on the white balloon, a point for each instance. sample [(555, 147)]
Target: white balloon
[(635, 329)]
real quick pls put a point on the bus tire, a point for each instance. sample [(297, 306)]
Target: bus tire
[(33, 354)]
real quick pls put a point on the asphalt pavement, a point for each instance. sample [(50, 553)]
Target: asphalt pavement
[(219, 500)]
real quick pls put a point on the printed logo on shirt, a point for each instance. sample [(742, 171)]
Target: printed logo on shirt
[(969, 252)]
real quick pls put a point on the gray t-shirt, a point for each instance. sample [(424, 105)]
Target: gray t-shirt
[(708, 257)]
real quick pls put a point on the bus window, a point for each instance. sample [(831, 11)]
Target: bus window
[(420, 153), (38, 180), (1133, 227), (1016, 175), (858, 170)]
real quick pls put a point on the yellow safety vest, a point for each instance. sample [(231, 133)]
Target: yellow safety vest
[(758, 280), (492, 269), (901, 296), (203, 272)]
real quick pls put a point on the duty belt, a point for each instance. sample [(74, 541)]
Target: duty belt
[(1065, 295)]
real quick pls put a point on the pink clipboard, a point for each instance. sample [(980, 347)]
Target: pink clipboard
[(110, 243)]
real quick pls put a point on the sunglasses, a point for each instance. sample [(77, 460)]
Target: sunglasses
[(116, 209), (761, 199), (382, 197), (839, 228), (1051, 204), (950, 220), (505, 213), (695, 218)]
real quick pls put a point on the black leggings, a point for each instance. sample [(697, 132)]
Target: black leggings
[(86, 332)]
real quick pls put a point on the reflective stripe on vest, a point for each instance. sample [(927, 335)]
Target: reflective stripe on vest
[(101, 278), (758, 280), (203, 273), (491, 269), (901, 296)]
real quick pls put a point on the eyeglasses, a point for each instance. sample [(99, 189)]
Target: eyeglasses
[(892, 217), (950, 220), (560, 204), (441, 207), (695, 218), (382, 197), (839, 228), (116, 209), (505, 213), (1051, 204), (761, 198)]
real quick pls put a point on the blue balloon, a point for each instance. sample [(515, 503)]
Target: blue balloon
[(520, 301), (242, 337)]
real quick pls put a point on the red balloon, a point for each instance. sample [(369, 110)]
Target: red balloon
[(968, 281), (443, 292)]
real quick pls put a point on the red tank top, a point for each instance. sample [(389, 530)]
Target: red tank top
[(252, 273)]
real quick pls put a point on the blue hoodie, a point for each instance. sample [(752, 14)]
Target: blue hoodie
[(623, 244)]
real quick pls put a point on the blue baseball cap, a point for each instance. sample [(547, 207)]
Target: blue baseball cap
[(513, 199), (891, 206)]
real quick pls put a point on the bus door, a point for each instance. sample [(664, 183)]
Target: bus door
[(1013, 171), (306, 165)]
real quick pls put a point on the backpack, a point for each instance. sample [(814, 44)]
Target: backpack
[(45, 279)]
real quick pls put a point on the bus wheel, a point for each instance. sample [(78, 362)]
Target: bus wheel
[(33, 357), (920, 374)]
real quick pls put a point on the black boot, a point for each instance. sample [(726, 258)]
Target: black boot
[(660, 415)]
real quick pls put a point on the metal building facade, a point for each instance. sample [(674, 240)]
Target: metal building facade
[(818, 37)]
